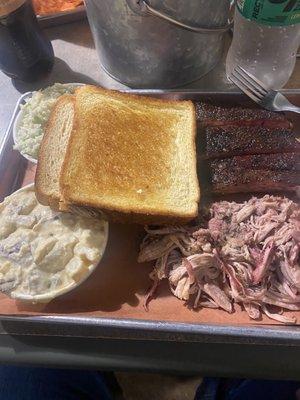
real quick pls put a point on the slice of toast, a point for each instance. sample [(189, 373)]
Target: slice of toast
[(131, 157), (52, 152)]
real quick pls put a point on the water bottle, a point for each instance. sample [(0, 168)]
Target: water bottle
[(266, 39)]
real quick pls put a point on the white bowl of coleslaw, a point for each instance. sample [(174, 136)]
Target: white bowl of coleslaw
[(29, 125)]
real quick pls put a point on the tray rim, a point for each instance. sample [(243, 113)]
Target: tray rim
[(138, 329)]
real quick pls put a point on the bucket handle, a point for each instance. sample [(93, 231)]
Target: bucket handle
[(157, 13)]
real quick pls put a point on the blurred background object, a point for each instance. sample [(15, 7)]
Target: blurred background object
[(42, 7), (25, 51)]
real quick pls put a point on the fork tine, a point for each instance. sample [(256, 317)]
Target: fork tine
[(249, 84), (244, 88), (252, 79)]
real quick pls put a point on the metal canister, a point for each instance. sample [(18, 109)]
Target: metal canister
[(155, 43)]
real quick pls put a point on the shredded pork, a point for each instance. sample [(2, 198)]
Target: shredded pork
[(245, 253)]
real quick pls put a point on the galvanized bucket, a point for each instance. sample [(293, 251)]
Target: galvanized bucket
[(155, 43)]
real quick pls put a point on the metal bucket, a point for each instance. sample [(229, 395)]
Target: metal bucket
[(155, 43)]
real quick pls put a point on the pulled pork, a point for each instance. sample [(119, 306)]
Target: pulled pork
[(245, 253)]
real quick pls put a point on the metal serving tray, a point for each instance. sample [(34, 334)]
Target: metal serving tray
[(12, 166), (61, 18)]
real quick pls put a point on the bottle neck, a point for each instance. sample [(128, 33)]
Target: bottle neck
[(9, 6)]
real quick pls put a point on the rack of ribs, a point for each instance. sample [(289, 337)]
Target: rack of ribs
[(248, 150)]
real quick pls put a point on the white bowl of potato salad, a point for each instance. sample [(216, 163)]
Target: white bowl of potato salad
[(44, 253), (29, 125)]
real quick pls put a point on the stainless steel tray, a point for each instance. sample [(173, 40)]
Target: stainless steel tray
[(12, 166), (60, 18)]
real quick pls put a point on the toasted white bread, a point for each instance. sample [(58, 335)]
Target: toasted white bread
[(52, 152), (133, 158), (128, 157)]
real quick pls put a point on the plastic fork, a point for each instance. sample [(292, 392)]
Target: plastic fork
[(257, 91)]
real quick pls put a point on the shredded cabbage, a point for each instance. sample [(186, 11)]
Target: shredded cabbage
[(36, 113)]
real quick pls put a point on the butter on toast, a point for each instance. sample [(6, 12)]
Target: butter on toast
[(131, 157)]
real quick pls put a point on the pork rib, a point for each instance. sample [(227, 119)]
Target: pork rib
[(239, 180), (220, 142), (274, 162), (209, 114)]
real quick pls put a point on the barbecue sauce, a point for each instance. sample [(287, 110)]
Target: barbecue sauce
[(25, 52)]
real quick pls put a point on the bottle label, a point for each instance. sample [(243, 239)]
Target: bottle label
[(8, 6), (271, 12)]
